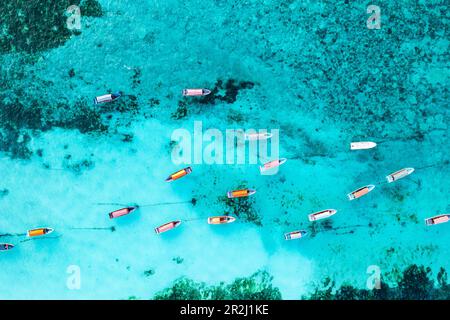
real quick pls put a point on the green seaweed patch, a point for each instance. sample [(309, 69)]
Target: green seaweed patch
[(243, 208), (136, 78), (15, 143), (414, 283), (318, 226), (153, 102), (126, 104), (181, 112), (226, 91), (79, 167), (178, 260), (149, 272), (91, 8), (3, 193), (33, 26), (235, 117), (256, 287), (127, 137)]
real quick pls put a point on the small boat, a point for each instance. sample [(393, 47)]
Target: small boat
[(240, 193), (272, 164), (437, 219), (399, 174), (107, 97), (39, 232), (295, 235), (121, 212), (221, 220), (258, 136), (321, 214), (362, 145), (360, 192), (6, 246), (179, 174), (168, 226), (195, 92)]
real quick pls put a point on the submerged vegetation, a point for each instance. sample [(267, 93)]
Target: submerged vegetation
[(415, 283), (256, 287), (35, 26)]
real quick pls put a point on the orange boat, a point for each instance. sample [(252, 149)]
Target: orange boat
[(321, 214), (240, 193), (437, 219), (179, 174), (360, 192), (168, 226), (39, 232), (295, 235), (121, 212), (221, 220)]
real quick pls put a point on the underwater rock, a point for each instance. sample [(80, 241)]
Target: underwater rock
[(178, 260), (231, 88), (33, 26), (181, 111), (149, 272), (415, 283), (241, 208), (3, 193), (256, 287), (78, 167), (91, 8)]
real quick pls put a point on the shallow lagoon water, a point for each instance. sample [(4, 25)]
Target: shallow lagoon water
[(318, 75)]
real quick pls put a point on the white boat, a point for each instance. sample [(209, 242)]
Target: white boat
[(321, 214), (437, 219), (360, 192), (272, 164), (258, 136), (195, 92), (294, 235), (399, 174), (362, 145)]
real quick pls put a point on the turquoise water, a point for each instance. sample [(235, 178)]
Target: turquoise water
[(311, 69)]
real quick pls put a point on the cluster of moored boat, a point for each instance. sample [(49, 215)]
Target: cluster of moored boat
[(225, 219)]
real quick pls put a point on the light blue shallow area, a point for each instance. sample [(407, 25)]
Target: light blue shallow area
[(306, 84)]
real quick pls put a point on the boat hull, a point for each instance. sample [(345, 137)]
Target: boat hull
[(39, 232), (6, 246), (362, 145), (399, 174), (168, 226), (321, 214), (121, 212), (240, 193), (360, 192), (437, 219), (295, 235), (221, 220)]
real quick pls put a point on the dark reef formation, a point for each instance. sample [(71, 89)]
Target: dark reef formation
[(225, 92), (91, 8), (243, 208), (415, 283), (33, 26), (256, 287)]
